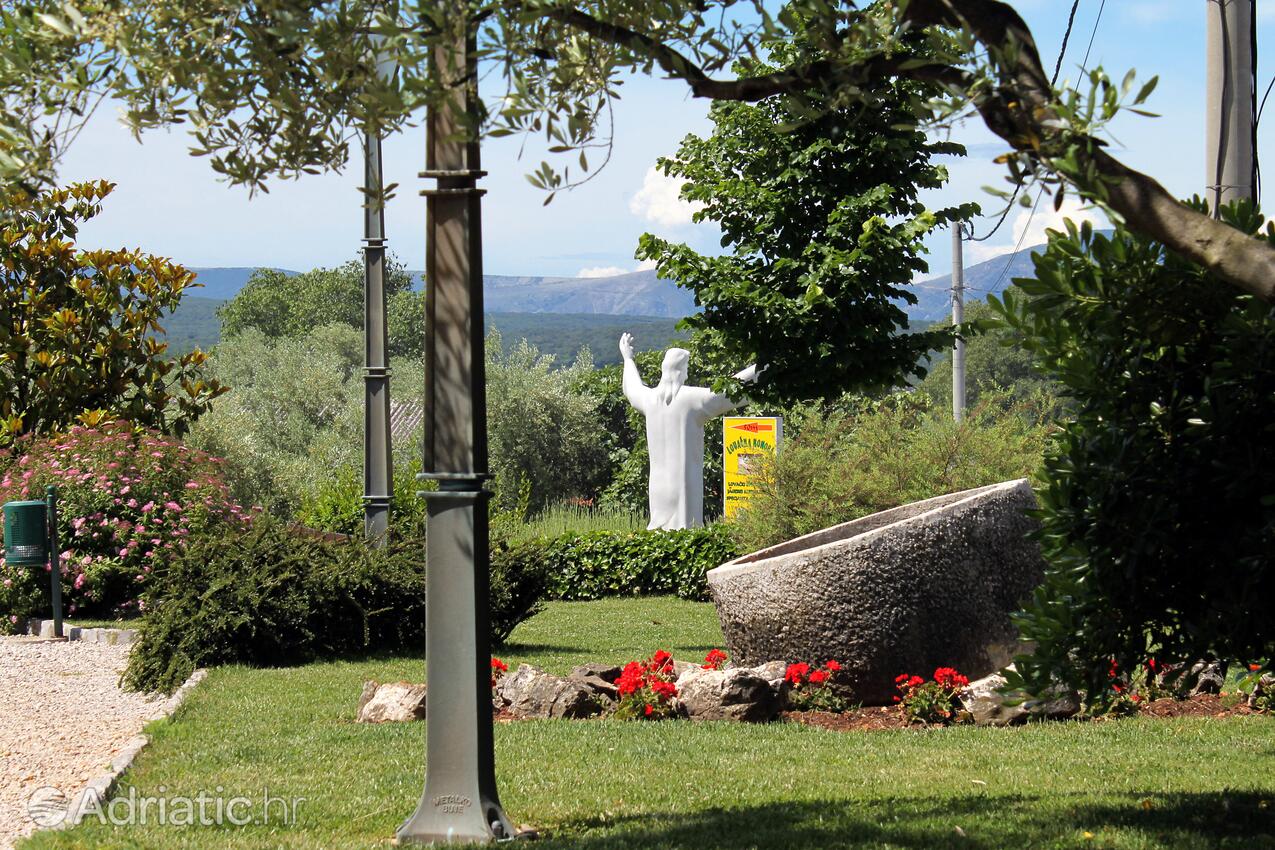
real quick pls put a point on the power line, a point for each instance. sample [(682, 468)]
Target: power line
[(1009, 261), (1018, 187), (1085, 64)]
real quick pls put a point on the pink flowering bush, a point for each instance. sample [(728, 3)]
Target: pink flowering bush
[(129, 499)]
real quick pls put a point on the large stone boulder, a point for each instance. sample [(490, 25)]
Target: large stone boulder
[(926, 585)]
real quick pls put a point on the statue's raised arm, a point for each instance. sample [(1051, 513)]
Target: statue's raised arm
[(637, 393)]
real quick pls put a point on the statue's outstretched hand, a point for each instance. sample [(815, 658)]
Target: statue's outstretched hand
[(626, 346), (749, 374)]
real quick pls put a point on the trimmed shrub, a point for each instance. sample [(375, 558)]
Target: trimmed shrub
[(129, 499), (1158, 516), (607, 563), (269, 597)]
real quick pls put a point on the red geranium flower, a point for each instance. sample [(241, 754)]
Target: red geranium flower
[(714, 660), (497, 664), (819, 677), (650, 709), (947, 677), (832, 666), (796, 673)]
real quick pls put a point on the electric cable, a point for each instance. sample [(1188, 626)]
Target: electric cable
[(1009, 261)]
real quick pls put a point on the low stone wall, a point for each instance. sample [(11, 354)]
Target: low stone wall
[(925, 585), (120, 637)]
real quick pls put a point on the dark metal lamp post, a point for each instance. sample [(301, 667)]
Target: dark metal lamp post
[(460, 803), (378, 469)]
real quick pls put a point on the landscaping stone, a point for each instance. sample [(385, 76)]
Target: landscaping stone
[(392, 702), (63, 718), (740, 693), (988, 707), (925, 585), (532, 693), (599, 686), (1265, 687), (605, 672), (1209, 677)]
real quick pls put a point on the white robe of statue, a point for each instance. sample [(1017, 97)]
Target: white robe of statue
[(675, 418)]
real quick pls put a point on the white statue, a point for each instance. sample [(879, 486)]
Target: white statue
[(675, 418)]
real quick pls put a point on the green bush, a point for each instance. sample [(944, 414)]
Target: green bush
[(855, 461), (543, 429), (269, 597), (595, 564), (1159, 509), (336, 503)]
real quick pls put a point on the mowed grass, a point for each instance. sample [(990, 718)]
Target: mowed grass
[(607, 785)]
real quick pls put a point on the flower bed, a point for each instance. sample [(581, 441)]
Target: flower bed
[(128, 500)]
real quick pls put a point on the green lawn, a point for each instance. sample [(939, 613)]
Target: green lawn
[(606, 785)]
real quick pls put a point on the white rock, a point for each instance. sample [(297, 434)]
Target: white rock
[(393, 702)]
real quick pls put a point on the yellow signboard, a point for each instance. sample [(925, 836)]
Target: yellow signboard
[(747, 441)]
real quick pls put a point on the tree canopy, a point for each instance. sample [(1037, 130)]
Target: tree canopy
[(276, 89), (279, 304), (825, 228)]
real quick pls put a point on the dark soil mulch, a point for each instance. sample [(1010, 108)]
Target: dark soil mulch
[(878, 718), (870, 719), (1204, 705)]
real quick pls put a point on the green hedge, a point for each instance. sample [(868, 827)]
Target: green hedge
[(607, 563), (270, 597)]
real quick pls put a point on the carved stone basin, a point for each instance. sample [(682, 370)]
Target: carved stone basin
[(925, 585)]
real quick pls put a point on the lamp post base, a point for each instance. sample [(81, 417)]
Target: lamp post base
[(460, 804)]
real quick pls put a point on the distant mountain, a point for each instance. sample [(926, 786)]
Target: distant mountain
[(224, 282), (934, 296), (636, 294), (645, 294)]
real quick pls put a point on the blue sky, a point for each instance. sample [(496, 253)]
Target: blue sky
[(170, 203)]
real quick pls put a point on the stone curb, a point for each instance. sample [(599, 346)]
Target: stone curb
[(114, 637), (93, 796)]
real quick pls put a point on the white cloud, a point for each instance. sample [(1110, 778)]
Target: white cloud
[(612, 271), (657, 200), (1029, 230), (601, 271)]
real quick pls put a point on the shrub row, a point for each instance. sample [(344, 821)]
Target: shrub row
[(608, 563), (269, 597)]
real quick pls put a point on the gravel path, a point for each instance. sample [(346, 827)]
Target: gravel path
[(62, 718)]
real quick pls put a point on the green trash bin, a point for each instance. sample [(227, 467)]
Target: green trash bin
[(26, 533)]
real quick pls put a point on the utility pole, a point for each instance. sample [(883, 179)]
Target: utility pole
[(1229, 113), (460, 803), (378, 472), (958, 316)]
